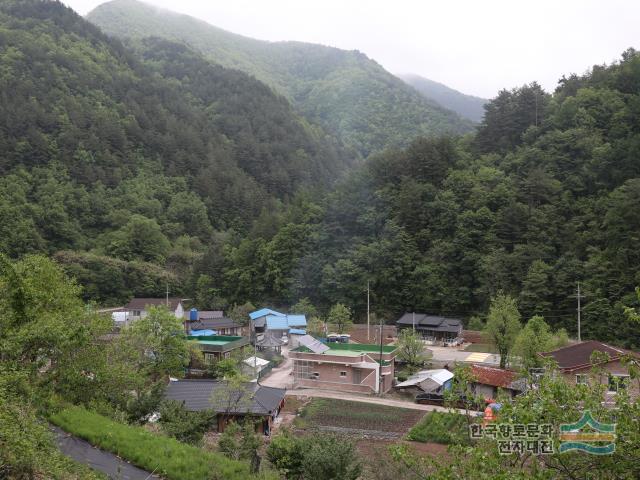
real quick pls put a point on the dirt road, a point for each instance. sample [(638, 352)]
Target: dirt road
[(312, 392)]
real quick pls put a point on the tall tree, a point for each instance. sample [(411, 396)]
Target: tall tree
[(503, 325), (340, 316)]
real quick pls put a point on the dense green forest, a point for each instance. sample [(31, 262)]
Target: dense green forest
[(146, 165), (137, 159), (349, 94), (467, 106), (546, 195)]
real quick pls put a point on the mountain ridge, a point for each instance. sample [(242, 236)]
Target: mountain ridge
[(465, 105), (347, 93)]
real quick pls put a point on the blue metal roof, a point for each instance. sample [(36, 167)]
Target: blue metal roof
[(297, 320), (200, 333), (297, 331), (263, 312), (277, 323)]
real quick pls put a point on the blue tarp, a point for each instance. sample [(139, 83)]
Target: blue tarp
[(201, 333), (297, 331), (263, 312)]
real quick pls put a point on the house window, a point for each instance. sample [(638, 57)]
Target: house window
[(617, 382), (582, 379), (209, 358), (136, 313), (343, 374), (227, 354)]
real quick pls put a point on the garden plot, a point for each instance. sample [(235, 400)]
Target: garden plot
[(357, 419)]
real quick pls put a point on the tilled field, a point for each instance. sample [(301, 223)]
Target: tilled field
[(355, 418)]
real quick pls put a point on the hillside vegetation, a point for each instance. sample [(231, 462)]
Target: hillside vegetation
[(349, 94), (139, 158), (546, 195), (467, 106)]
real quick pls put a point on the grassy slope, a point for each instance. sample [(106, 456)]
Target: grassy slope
[(467, 106), (349, 94), (166, 456)]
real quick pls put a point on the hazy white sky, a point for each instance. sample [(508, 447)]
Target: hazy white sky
[(477, 47)]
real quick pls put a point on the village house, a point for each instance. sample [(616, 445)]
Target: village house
[(139, 307), (344, 367), (487, 382), (211, 320), (432, 328), (428, 381), (574, 363), (267, 322), (216, 347), (248, 401)]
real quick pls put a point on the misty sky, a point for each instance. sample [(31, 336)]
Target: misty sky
[(477, 47)]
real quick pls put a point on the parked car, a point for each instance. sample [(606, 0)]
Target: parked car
[(438, 399)]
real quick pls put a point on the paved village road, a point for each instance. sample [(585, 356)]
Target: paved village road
[(451, 355), (352, 397), (100, 460), (280, 377)]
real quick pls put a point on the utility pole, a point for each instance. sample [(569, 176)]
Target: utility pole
[(579, 297), (167, 284), (413, 320), (368, 311), (380, 363)]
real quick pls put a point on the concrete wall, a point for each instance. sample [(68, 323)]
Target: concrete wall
[(329, 369)]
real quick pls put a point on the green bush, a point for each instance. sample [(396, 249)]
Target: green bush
[(166, 456), (439, 427)]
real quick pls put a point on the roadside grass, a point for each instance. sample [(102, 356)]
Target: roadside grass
[(481, 347), (164, 456), (328, 412), (441, 427)]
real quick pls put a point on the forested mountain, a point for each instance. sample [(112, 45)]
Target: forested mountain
[(467, 106), (350, 95), (136, 158), (546, 195)]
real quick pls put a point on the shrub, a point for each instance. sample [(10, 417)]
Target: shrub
[(183, 425)]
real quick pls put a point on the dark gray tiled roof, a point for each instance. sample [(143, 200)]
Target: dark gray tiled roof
[(430, 322), (212, 323), (141, 303), (199, 395)]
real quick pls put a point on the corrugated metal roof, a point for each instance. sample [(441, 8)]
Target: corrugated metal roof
[(297, 331), (277, 323), (316, 346), (297, 320), (263, 312), (200, 333), (440, 376), (256, 361)]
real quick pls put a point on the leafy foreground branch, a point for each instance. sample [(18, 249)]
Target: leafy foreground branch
[(164, 456)]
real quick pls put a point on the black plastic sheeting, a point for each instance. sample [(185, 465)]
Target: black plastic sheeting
[(105, 462)]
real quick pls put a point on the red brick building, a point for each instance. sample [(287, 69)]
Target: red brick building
[(358, 368)]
